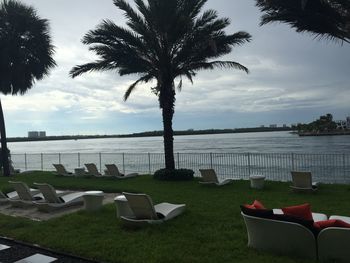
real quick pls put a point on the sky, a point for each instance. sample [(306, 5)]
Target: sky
[(294, 78)]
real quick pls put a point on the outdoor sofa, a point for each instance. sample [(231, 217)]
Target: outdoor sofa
[(272, 231)]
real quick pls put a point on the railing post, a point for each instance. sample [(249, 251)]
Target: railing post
[(211, 160), (123, 164), (78, 159), (100, 159), (248, 164), (149, 163), (344, 171), (25, 162), (59, 158), (178, 160), (42, 161), (293, 167)]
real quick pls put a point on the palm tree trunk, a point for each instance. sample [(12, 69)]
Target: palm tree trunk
[(4, 151), (167, 104), (168, 135)]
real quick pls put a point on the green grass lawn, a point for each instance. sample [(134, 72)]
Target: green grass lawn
[(211, 229)]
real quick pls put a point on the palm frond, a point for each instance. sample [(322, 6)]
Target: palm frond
[(132, 87), (90, 67), (323, 18), (218, 64)]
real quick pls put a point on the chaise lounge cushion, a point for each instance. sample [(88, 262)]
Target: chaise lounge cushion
[(299, 211)]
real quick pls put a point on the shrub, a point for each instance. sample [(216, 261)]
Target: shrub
[(174, 175)]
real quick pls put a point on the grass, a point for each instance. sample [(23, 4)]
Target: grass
[(211, 229)]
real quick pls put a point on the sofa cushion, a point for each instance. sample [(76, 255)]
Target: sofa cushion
[(331, 223), (309, 224), (299, 211), (343, 218)]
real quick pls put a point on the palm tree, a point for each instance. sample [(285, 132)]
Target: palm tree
[(25, 55), (164, 41), (323, 18)]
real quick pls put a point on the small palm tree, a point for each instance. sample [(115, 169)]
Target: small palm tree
[(323, 18), (25, 55), (165, 40)]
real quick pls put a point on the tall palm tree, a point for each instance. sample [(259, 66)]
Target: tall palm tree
[(25, 55), (164, 41), (323, 18)]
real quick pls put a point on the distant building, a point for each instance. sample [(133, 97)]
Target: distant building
[(36, 134), (262, 126), (273, 125), (33, 134), (284, 125), (341, 125), (348, 122)]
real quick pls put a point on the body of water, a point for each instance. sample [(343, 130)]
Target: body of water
[(259, 142)]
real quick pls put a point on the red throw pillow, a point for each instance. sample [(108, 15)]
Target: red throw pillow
[(300, 211), (250, 206), (258, 205), (255, 205), (331, 223)]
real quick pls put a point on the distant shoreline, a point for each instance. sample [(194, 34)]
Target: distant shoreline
[(148, 134), (329, 133)]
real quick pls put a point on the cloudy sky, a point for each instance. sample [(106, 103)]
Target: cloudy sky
[(293, 78)]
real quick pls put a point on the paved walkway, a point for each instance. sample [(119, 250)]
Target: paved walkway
[(33, 213), (16, 252)]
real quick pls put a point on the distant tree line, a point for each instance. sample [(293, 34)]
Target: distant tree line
[(324, 124)]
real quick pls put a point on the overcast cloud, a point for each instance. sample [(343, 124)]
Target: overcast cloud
[(293, 78)]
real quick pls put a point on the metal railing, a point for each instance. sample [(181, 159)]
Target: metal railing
[(326, 168)]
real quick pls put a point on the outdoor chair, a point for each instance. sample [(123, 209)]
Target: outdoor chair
[(61, 170), (113, 170), (92, 170), (146, 213), (26, 196), (302, 182), (4, 198), (55, 199), (209, 177)]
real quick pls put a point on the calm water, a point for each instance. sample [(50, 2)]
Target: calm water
[(261, 142)]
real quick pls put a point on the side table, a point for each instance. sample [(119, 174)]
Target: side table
[(93, 200), (257, 181)]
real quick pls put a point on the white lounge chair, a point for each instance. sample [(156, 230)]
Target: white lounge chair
[(26, 196), (147, 213), (209, 177), (61, 170), (302, 182), (112, 170), (55, 200), (92, 170), (4, 198)]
